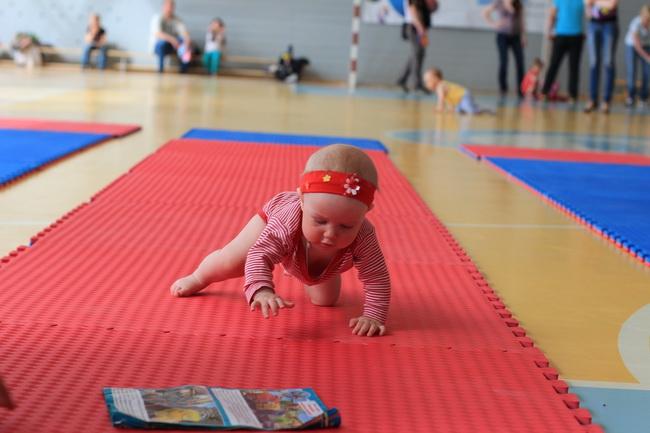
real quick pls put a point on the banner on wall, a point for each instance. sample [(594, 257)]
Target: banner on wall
[(452, 13)]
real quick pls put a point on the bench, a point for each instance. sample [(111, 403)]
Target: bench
[(138, 60)]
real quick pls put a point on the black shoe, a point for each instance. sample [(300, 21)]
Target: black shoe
[(423, 90), (403, 85)]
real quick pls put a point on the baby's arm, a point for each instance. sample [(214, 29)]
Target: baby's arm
[(373, 273), (441, 92), (5, 400), (262, 257)]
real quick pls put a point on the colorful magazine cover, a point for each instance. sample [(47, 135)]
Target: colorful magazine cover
[(216, 408)]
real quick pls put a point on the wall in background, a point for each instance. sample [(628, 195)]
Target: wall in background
[(318, 29)]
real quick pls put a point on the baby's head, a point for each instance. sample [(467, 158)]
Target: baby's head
[(336, 192), (537, 65), (432, 78)]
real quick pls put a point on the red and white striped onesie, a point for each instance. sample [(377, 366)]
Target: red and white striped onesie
[(282, 242)]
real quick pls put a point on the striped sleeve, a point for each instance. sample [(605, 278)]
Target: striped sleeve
[(373, 273), (268, 250)]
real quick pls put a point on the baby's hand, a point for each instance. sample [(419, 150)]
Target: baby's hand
[(366, 326), (267, 300), (5, 400)]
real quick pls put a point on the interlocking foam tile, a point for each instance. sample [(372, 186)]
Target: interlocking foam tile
[(88, 306), (24, 151), (554, 154), (611, 199), (112, 129), (56, 375), (294, 139)]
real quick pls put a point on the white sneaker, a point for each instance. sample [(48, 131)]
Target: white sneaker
[(642, 105)]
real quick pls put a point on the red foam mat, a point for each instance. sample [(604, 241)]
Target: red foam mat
[(88, 306), (114, 129), (480, 152), (57, 374)]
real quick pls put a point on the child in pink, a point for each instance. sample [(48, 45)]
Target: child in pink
[(316, 233)]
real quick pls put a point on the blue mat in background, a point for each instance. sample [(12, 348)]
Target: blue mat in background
[(22, 151), (302, 140), (615, 198)]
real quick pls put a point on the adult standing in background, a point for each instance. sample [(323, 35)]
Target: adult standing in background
[(602, 37), (417, 17), (170, 36), (511, 34), (565, 27), (95, 39)]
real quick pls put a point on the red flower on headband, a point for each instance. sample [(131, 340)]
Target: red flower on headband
[(351, 185)]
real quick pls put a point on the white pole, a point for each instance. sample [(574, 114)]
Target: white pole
[(354, 45)]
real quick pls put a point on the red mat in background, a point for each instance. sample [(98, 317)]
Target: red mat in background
[(114, 129), (480, 152), (88, 306)]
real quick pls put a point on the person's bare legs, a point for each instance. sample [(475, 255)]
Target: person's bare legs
[(326, 293), (223, 264)]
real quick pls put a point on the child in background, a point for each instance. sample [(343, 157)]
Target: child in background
[(530, 85), (95, 39), (5, 400), (637, 49), (215, 42), (450, 95), (317, 233)]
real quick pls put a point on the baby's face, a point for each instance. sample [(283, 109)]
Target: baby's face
[(430, 81), (331, 222)]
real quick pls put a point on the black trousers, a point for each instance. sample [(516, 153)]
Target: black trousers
[(416, 59), (563, 45), (513, 42)]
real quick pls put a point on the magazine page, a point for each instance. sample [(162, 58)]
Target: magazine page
[(185, 405), (270, 409)]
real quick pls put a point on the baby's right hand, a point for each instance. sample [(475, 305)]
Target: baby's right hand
[(267, 300), (5, 400)]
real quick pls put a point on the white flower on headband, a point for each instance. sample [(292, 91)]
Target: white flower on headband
[(351, 185)]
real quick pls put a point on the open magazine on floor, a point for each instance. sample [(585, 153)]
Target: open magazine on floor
[(216, 408)]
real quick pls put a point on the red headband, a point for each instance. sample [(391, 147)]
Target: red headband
[(334, 182)]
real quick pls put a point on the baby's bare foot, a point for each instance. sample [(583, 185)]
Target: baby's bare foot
[(186, 286)]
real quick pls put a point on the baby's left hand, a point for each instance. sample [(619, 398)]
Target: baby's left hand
[(366, 326)]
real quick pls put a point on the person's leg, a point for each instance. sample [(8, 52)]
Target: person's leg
[(162, 49), (594, 46), (413, 47), (557, 53), (326, 293), (223, 264), (502, 47), (101, 59), (420, 51), (518, 51), (630, 66), (645, 77), (610, 41), (575, 51), (85, 58), (217, 61)]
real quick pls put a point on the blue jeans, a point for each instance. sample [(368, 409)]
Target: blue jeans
[(163, 48), (513, 42), (211, 61), (601, 42), (467, 105), (101, 59), (631, 59)]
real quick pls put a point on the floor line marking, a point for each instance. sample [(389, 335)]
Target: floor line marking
[(515, 226)]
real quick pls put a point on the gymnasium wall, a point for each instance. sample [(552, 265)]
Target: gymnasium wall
[(318, 29)]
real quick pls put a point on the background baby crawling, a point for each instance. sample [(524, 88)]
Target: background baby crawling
[(316, 233)]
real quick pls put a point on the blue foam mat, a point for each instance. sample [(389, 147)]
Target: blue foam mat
[(614, 198), (22, 151), (295, 139)]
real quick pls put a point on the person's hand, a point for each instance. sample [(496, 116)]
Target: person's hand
[(174, 43), (366, 326), (424, 40), (5, 399), (267, 300)]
